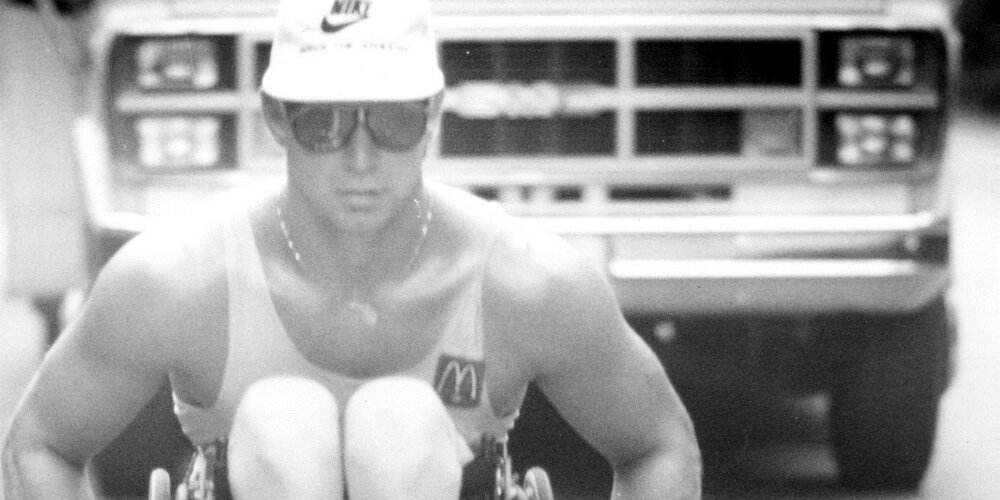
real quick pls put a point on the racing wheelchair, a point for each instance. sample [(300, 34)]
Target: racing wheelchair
[(535, 484)]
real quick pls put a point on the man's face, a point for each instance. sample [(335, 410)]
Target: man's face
[(360, 183)]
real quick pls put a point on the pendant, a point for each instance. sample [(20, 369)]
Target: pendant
[(363, 313)]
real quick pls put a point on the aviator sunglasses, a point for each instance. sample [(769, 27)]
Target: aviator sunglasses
[(324, 128)]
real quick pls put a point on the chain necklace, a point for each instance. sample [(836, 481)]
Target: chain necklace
[(363, 313)]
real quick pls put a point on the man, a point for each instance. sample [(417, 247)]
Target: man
[(358, 329)]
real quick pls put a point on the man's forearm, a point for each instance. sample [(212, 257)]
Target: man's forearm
[(40, 473), (673, 475)]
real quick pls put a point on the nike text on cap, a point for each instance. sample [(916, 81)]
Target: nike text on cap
[(353, 51)]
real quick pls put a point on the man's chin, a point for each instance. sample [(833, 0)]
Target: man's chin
[(362, 201), (363, 221)]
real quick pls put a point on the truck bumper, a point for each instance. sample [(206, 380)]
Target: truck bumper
[(767, 264), (904, 269), (784, 286)]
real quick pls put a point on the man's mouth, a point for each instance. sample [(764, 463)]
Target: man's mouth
[(361, 199)]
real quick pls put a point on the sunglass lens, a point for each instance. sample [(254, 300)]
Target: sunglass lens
[(397, 126), (322, 129)]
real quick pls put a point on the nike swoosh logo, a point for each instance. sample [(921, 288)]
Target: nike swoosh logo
[(339, 23)]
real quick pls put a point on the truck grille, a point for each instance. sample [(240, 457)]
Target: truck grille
[(598, 116), (562, 136), (691, 132), (718, 62), (759, 104), (572, 61)]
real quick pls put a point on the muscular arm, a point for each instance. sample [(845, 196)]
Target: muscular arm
[(597, 372), (93, 381)]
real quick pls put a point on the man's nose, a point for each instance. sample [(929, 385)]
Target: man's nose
[(361, 151)]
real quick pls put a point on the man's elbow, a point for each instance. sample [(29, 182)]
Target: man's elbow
[(684, 465), (682, 442), (31, 465), (689, 459), (687, 448), (11, 459), (690, 469), (13, 447), (671, 468)]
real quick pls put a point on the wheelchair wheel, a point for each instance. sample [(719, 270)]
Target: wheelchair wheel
[(537, 485), (159, 485)]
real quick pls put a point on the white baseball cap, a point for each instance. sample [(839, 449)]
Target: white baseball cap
[(353, 51)]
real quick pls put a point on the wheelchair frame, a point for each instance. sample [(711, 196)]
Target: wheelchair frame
[(508, 486)]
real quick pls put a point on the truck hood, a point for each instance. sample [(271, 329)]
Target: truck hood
[(613, 7), (227, 8)]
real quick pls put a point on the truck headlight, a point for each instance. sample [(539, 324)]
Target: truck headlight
[(170, 143), (173, 63), (871, 139), (876, 61), (180, 63)]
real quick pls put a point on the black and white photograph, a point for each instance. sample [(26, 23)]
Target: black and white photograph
[(499, 249)]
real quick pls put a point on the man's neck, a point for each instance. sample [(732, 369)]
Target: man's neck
[(329, 253)]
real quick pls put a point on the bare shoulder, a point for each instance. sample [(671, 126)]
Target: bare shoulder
[(525, 265), (535, 269), (172, 262), (132, 333), (157, 288), (549, 301)]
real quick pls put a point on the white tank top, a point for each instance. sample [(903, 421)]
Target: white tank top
[(259, 347)]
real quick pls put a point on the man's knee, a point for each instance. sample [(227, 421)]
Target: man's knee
[(398, 433), (285, 430), (395, 403), (277, 409)]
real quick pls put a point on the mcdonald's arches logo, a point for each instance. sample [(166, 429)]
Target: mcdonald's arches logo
[(459, 382)]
